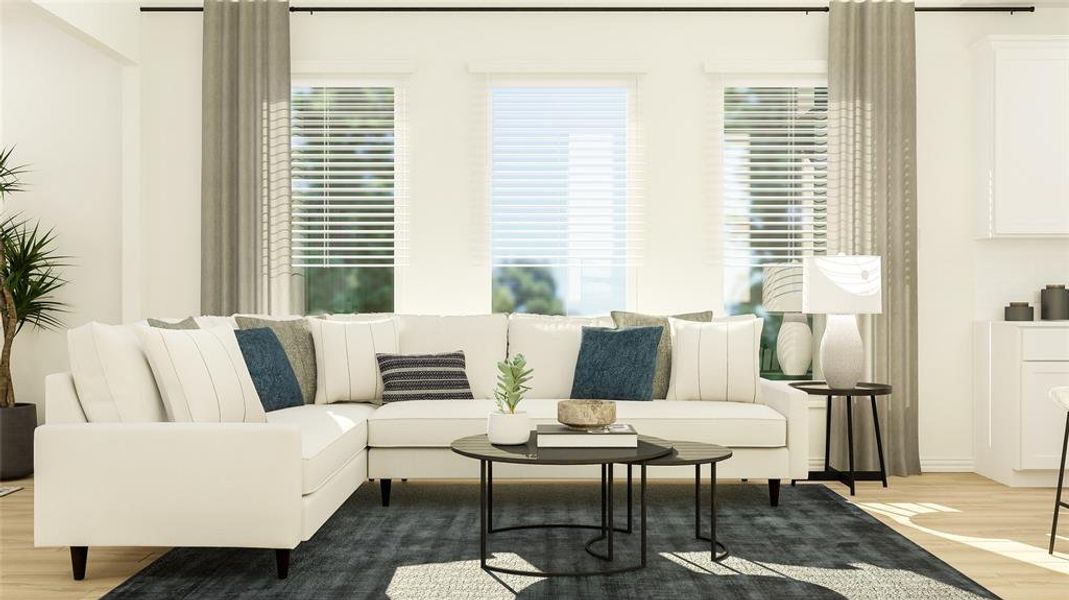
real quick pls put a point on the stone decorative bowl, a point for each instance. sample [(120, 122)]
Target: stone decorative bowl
[(586, 414)]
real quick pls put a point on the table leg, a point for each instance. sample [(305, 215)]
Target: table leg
[(611, 511), (642, 510), (482, 514), (712, 511), (827, 436), (629, 497), (697, 501), (850, 438), (603, 500), (490, 497), (879, 441)]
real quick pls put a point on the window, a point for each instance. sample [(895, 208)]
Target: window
[(344, 196), (774, 187), (560, 198)]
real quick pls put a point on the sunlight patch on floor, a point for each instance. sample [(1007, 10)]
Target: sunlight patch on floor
[(461, 579), (854, 580), (903, 513)]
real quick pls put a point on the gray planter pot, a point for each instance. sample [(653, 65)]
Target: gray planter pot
[(16, 440)]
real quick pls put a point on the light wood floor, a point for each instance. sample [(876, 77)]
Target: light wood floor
[(994, 534)]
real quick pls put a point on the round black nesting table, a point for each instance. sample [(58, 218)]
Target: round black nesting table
[(849, 477), (480, 448)]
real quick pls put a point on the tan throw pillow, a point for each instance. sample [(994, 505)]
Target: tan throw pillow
[(664, 348), (186, 323)]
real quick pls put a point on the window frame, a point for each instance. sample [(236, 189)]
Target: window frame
[(400, 165), (634, 227)]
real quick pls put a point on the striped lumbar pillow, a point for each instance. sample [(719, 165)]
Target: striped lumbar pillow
[(424, 377)]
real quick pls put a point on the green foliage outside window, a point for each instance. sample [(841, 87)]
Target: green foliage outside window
[(527, 290)]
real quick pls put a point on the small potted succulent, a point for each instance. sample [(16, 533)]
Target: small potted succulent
[(506, 425)]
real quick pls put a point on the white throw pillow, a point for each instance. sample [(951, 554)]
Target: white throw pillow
[(719, 360), (482, 338), (202, 375), (551, 346), (112, 376), (346, 367)]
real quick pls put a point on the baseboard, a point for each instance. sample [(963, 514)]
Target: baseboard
[(928, 465), (947, 465)]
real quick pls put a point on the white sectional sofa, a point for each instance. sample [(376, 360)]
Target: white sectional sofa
[(274, 484)]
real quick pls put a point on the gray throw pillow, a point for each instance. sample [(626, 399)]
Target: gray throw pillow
[(186, 323), (664, 348), (296, 340)]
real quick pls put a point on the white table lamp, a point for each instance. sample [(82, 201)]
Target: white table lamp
[(781, 292), (842, 287)]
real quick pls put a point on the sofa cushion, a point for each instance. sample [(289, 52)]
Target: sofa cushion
[(482, 338), (617, 364), (436, 423), (551, 346), (269, 368), (716, 361), (664, 348), (346, 368), (201, 375), (407, 377), (112, 375), (296, 340), (331, 435)]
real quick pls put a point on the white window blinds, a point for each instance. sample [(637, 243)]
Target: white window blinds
[(560, 187), (775, 157), (345, 212)]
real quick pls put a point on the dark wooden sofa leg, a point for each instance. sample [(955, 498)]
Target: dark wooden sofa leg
[(282, 563), (773, 492), (384, 489), (79, 554)]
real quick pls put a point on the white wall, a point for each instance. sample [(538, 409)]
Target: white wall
[(62, 109)]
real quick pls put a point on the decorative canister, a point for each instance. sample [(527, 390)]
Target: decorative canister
[(1054, 303), (1020, 311)]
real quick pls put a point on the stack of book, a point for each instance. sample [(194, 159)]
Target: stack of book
[(561, 436)]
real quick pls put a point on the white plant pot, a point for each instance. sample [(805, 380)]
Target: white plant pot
[(794, 346), (508, 428)]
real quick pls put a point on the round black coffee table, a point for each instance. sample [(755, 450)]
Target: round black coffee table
[(480, 448), (849, 477)]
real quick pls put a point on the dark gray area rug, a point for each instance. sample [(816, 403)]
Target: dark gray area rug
[(426, 546)]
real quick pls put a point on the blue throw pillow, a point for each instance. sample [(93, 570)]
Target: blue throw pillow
[(616, 364), (271, 372)]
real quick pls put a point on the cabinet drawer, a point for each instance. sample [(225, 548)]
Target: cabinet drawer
[(1045, 344)]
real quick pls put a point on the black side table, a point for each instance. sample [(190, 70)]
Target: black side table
[(848, 478)]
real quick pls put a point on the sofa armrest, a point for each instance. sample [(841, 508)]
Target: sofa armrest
[(794, 405), (167, 484)]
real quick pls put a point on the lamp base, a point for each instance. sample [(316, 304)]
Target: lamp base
[(842, 355), (794, 345)]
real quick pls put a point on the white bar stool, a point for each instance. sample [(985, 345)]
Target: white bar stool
[(1061, 396)]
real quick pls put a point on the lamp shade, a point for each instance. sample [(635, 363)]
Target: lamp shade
[(848, 285), (781, 290)]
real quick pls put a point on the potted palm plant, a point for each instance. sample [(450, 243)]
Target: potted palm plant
[(506, 425), (29, 279)]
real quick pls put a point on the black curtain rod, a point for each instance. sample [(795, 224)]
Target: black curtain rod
[(605, 9)]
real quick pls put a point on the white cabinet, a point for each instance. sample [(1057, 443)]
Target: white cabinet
[(1017, 429), (1022, 136)]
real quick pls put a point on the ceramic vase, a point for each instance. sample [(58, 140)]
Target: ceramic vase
[(794, 345)]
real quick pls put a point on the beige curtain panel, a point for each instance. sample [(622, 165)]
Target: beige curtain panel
[(872, 207), (245, 178)]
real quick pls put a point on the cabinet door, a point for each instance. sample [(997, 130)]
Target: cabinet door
[(1032, 140), (1042, 421)]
